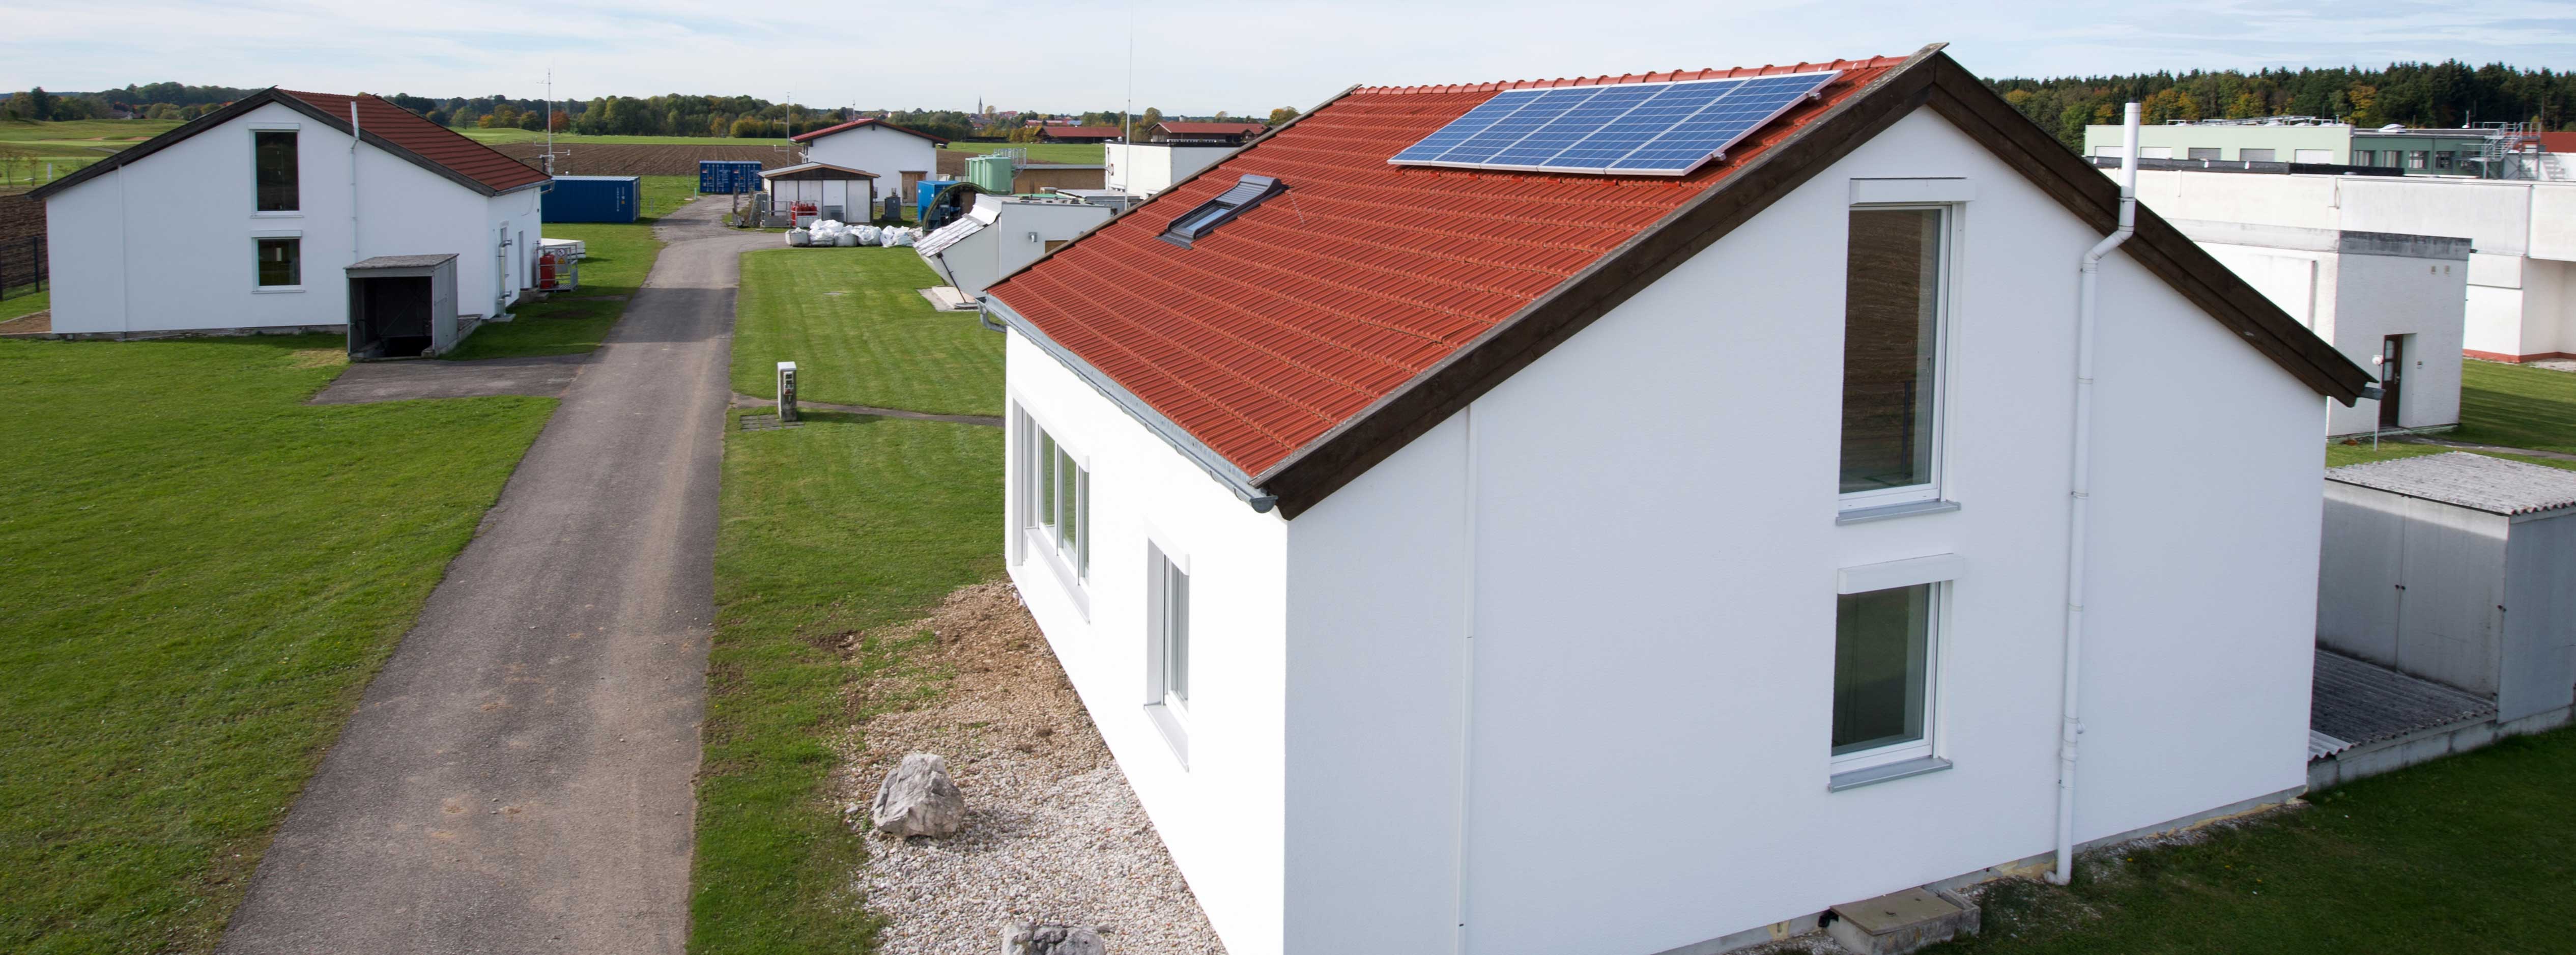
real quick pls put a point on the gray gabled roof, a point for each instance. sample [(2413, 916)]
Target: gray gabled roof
[(2473, 481)]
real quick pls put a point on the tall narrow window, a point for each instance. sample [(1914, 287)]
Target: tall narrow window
[(1891, 354), (273, 159), (1172, 633), (281, 262), (1058, 498), (1883, 675), (1167, 648)]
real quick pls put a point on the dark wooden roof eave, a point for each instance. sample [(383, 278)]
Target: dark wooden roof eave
[(1929, 77)]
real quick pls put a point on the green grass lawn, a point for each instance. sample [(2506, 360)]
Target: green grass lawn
[(109, 130), (69, 145), (2515, 406), (855, 324), (198, 575), (1077, 154), (618, 257), (25, 303), (2471, 853), (840, 527)]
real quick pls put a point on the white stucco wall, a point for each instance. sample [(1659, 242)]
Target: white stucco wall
[(879, 150), (2355, 301), (2517, 227), (2423, 299), (1007, 245), (1145, 168), (167, 243), (1648, 572), (1219, 814)]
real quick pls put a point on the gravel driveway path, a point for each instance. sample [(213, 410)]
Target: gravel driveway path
[(1053, 832), (517, 779)]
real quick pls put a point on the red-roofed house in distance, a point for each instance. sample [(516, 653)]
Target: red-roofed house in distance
[(1634, 514), (243, 220), (900, 158), (1080, 134), (1225, 133)]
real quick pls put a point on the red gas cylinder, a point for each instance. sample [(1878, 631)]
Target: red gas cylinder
[(546, 270)]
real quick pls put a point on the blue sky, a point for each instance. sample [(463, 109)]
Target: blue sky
[(1189, 57)]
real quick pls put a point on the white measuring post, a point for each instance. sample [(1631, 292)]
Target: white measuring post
[(786, 391)]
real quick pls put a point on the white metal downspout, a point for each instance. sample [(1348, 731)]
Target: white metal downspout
[(2080, 492), (353, 182)]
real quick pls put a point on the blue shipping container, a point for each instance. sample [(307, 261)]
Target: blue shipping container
[(728, 175), (930, 190), (593, 198)]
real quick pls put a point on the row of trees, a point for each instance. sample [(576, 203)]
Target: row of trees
[(2447, 94), (673, 114)]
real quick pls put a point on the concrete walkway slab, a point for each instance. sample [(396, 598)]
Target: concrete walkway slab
[(518, 778), (368, 382)]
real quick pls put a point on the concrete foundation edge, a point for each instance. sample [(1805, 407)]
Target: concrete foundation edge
[(2395, 754), (190, 333), (2027, 866)]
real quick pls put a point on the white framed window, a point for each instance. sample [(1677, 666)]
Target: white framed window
[(1888, 622), (278, 263), (274, 171), (1884, 647), (1167, 646), (2254, 155), (1055, 504), (1895, 322)]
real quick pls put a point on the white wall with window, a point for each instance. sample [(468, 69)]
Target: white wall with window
[(1162, 594), (1611, 638), (248, 226)]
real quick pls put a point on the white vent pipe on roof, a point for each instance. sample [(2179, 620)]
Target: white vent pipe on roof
[(2079, 495)]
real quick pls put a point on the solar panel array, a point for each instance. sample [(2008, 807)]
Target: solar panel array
[(1645, 129)]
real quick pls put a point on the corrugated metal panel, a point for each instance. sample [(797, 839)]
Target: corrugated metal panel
[(593, 199), (2474, 481), (2355, 702), (1301, 313), (727, 176)]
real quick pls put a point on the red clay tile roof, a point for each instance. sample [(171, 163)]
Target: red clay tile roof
[(1082, 132), (1306, 310), (424, 143), (438, 144), (1213, 129), (810, 136)]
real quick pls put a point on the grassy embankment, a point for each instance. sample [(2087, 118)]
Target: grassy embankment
[(844, 526), (197, 579)]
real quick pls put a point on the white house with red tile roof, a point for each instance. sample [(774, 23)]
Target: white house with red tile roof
[(899, 157), (245, 218), (1470, 560)]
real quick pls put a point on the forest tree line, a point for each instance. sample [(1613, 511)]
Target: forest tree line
[(2433, 95)]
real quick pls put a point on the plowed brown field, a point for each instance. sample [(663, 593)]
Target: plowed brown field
[(602, 159)]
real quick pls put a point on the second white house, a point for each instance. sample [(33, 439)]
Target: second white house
[(1478, 531)]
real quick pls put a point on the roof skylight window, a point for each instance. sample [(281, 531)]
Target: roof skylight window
[(1247, 192)]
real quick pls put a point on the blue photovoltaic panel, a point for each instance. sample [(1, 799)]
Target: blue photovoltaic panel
[(1474, 122), (1664, 129)]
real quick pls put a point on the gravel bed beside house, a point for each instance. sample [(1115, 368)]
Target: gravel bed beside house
[(1053, 834)]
